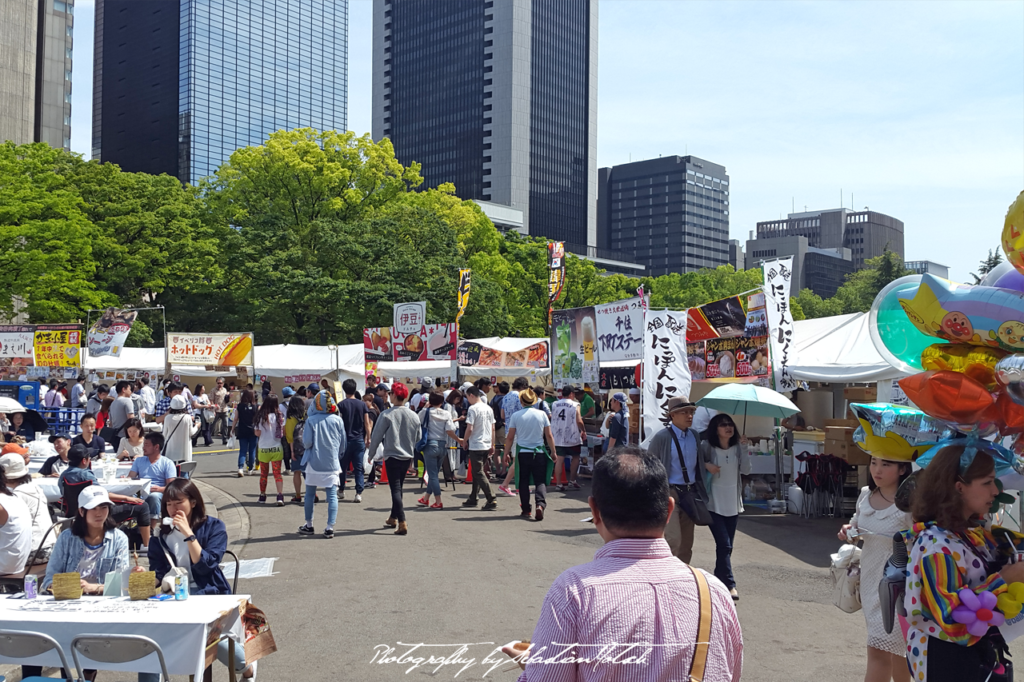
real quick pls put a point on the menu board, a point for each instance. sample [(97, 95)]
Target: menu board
[(737, 357)]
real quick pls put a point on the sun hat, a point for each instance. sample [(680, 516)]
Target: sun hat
[(178, 403), (93, 496), (13, 465), (527, 397), (676, 404)]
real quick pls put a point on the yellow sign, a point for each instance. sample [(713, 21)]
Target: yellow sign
[(229, 350), (58, 345), (463, 293)]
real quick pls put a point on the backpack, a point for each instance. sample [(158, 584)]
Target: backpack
[(278, 427), (422, 444), (298, 449)]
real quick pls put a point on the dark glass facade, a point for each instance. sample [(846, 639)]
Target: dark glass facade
[(436, 109), (234, 71), (824, 274), (559, 99)]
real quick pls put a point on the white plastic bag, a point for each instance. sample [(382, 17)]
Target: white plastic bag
[(846, 578), (232, 442)]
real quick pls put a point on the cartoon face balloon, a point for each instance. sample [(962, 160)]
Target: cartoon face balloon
[(1013, 233)]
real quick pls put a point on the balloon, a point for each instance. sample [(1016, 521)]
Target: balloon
[(977, 611), (1010, 602), (898, 341), (894, 432), (996, 273), (1011, 280), (973, 361), (1006, 414), (980, 316), (948, 396), (1010, 373), (1013, 233)]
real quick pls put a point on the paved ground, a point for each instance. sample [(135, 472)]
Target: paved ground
[(468, 576)]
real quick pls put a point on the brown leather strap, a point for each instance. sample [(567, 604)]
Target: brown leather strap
[(700, 650)]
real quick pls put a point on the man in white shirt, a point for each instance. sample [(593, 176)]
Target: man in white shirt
[(569, 432), (148, 397), (78, 393), (479, 440)]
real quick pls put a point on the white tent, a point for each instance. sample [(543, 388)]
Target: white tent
[(506, 344), (140, 359), (838, 350)]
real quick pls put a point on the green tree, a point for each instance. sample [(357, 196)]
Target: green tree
[(988, 264), (679, 291), (46, 257), (813, 306)]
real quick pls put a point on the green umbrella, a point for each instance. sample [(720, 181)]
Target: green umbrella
[(749, 399)]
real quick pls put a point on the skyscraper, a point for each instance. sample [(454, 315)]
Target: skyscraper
[(36, 41), (180, 84), (499, 98), (671, 213)]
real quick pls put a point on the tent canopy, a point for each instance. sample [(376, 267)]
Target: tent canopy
[(140, 359), (838, 350), (506, 344)]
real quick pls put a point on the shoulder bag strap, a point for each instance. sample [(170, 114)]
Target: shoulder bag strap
[(703, 642), (679, 453), (167, 553)]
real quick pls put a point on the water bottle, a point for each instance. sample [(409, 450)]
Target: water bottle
[(893, 585)]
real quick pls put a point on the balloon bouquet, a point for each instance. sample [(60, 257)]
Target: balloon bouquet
[(963, 349)]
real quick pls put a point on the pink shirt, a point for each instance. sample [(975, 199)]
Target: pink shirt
[(633, 602)]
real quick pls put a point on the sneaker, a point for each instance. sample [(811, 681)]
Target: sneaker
[(540, 513), (423, 501), (505, 489), (560, 488), (437, 505), (328, 533), (253, 472), (734, 594), (358, 498), (370, 485), (469, 503), (341, 495), (263, 498), (575, 486), (306, 530), (296, 499), (250, 672), (280, 500), (525, 514), (241, 474), (490, 506)]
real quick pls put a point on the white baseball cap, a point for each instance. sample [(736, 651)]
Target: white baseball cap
[(93, 496)]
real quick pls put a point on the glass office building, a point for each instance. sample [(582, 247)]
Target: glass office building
[(499, 98), (181, 84)]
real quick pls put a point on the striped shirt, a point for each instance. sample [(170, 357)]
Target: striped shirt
[(634, 600)]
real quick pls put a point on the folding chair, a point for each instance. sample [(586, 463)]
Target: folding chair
[(19, 644), (17, 580), (238, 566), (116, 649), (69, 502), (185, 469)]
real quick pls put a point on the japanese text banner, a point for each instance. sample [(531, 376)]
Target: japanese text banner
[(666, 372), (225, 350), (777, 276), (16, 343), (58, 345), (620, 330), (107, 335)]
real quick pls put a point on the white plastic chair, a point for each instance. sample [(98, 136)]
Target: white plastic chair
[(116, 649)]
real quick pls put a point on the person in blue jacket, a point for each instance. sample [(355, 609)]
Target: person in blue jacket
[(324, 440), (196, 542)]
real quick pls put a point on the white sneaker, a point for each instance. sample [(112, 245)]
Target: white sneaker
[(250, 669), (241, 474), (254, 472), (358, 498), (341, 496)]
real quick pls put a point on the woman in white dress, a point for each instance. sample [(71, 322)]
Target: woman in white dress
[(876, 520), (725, 454)]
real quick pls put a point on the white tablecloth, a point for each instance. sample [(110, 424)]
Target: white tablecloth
[(124, 486), (123, 468), (180, 628)]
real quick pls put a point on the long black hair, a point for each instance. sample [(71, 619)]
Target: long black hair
[(178, 489), (711, 433), (80, 527)]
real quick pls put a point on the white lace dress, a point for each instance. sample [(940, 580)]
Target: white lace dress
[(877, 527)]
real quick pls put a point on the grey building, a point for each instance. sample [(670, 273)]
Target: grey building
[(181, 84), (822, 271), (926, 267), (737, 259), (499, 98), (670, 213), (866, 233), (36, 41)]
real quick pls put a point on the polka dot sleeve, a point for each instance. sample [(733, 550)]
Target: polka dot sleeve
[(941, 577)]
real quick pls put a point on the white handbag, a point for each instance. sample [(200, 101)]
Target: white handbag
[(846, 578)]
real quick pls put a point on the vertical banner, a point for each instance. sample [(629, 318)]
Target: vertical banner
[(464, 281), (556, 274), (777, 276), (107, 335), (574, 340), (666, 372), (58, 345), (620, 330)]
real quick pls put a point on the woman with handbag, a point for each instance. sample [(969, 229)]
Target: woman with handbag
[(875, 521), (179, 427), (952, 553), (439, 428), (204, 409), (725, 455), (193, 545)]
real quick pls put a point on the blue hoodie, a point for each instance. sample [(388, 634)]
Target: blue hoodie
[(323, 435)]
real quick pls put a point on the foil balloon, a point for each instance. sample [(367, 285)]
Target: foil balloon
[(895, 432), (948, 396), (1011, 280), (1010, 373), (976, 362), (1006, 414), (895, 338), (1013, 233), (995, 274), (980, 316)]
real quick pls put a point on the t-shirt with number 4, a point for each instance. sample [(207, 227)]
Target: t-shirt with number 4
[(481, 417), (564, 428)]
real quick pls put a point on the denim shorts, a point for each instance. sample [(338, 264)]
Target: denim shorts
[(298, 466)]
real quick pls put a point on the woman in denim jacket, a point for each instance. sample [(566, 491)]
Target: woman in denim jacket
[(93, 548)]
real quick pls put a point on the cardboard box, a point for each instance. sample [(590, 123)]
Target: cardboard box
[(840, 433), (851, 453), (860, 394), (845, 423)]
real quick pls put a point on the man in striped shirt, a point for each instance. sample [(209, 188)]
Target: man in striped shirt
[(633, 612)]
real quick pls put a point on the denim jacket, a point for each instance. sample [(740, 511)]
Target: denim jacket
[(69, 550), (212, 536)]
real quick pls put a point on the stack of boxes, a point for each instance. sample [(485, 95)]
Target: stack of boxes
[(839, 432)]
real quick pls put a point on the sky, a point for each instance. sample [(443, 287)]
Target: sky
[(914, 109)]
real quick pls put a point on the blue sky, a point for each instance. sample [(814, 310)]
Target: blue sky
[(915, 108)]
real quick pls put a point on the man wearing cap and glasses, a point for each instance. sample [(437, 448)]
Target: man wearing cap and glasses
[(677, 448)]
